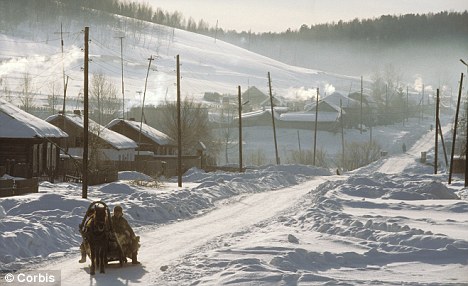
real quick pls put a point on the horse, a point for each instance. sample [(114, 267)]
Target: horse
[(98, 237)]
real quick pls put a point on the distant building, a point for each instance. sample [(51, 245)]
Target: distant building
[(28, 144), (254, 98), (328, 117)]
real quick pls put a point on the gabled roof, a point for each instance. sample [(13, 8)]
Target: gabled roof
[(253, 92), (146, 130), (17, 123), (323, 106), (346, 101), (116, 140)]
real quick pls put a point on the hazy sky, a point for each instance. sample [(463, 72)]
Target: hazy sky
[(279, 15)]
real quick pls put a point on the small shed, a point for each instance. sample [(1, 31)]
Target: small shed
[(28, 144)]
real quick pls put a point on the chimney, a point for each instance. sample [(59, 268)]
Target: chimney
[(132, 119), (77, 112)]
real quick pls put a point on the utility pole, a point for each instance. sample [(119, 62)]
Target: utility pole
[(436, 149), (299, 142), (466, 139), (407, 115), (63, 70), (150, 59), (273, 120), (422, 103), (443, 143), (316, 125), (342, 136), (121, 63), (84, 179), (455, 132), (386, 104), (216, 30), (179, 129), (239, 96), (360, 128)]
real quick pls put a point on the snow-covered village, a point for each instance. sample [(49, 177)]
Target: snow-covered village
[(173, 143)]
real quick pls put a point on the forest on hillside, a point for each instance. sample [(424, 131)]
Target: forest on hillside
[(417, 46), (386, 28)]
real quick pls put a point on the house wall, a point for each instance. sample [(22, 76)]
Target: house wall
[(108, 154), (29, 157)]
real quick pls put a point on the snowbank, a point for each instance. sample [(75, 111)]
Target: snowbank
[(44, 224)]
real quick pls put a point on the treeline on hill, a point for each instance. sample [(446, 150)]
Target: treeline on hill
[(386, 28)]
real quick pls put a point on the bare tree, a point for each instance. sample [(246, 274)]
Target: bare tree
[(6, 92), (195, 125), (104, 98), (27, 95)]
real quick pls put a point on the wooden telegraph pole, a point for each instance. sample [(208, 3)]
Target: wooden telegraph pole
[(273, 120), (436, 149), (179, 129), (121, 63), (360, 128), (239, 96), (84, 179), (455, 131), (150, 59), (316, 125)]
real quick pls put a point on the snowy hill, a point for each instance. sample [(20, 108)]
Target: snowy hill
[(207, 65)]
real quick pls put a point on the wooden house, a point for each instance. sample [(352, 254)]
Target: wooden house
[(254, 98), (148, 139), (28, 144), (110, 145)]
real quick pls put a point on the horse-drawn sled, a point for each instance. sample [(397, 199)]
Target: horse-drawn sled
[(101, 243)]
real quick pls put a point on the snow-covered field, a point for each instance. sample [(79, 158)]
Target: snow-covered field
[(274, 225)]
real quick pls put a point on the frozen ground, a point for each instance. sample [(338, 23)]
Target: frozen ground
[(390, 223)]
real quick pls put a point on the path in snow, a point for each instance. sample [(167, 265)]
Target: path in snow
[(167, 244), (397, 164)]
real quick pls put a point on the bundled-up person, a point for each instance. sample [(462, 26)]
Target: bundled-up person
[(125, 233)]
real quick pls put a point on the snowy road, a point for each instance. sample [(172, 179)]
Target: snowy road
[(397, 164), (167, 244)]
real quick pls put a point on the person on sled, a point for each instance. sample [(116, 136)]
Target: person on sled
[(122, 228), (83, 230)]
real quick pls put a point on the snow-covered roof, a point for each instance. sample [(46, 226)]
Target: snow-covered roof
[(335, 98), (17, 123), (146, 130), (322, 105), (257, 113), (118, 141), (310, 117)]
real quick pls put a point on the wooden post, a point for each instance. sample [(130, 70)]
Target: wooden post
[(360, 128), (455, 130), (273, 120), (316, 125), (239, 95), (436, 146), (84, 179), (443, 143), (179, 129), (342, 137)]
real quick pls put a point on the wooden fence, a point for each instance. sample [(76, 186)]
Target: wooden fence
[(14, 187)]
